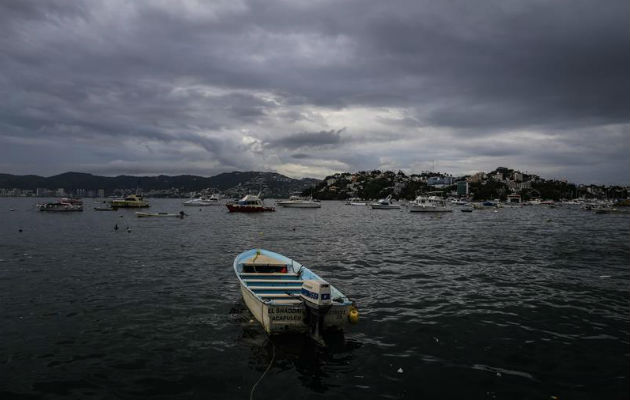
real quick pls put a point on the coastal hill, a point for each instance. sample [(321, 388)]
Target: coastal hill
[(231, 183), (497, 184)]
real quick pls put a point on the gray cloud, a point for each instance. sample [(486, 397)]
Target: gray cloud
[(307, 139), (159, 86)]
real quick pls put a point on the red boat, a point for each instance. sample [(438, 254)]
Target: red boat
[(249, 203)]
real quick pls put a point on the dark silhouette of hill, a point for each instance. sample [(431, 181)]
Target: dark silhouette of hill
[(273, 183)]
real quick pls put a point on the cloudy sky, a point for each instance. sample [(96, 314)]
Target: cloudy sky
[(310, 87)]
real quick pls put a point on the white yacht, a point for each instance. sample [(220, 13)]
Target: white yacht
[(429, 204), (385, 204), (203, 201), (299, 202)]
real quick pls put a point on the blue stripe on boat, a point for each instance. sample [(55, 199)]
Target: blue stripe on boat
[(279, 290), (268, 276), (273, 284)]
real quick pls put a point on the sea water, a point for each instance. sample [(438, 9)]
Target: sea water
[(524, 303)]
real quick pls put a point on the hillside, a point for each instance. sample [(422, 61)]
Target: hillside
[(233, 183)]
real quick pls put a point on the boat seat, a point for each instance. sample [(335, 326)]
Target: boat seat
[(275, 287), (273, 281), (271, 275), (275, 295)]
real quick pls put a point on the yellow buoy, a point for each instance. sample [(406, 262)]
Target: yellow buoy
[(353, 315)]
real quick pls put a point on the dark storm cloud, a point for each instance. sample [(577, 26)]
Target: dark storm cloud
[(308, 139), (228, 78)]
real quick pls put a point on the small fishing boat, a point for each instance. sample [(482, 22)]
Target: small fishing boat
[(429, 204), (159, 214), (104, 209), (385, 204), (286, 297), (249, 203), (131, 201), (299, 202)]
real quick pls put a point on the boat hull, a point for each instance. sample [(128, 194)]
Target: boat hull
[(61, 210), (248, 209), (129, 205), (290, 318)]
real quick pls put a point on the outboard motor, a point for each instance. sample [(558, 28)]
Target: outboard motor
[(316, 298)]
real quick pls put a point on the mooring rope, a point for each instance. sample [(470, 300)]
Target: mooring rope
[(273, 357)]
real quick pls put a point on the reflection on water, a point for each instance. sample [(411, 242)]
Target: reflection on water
[(523, 303), (295, 353)]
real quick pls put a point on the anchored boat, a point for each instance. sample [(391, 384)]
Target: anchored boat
[(385, 204), (285, 296), (249, 203), (203, 201), (131, 201), (429, 204), (63, 205), (299, 202)]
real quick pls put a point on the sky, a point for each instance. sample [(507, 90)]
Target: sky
[(308, 88)]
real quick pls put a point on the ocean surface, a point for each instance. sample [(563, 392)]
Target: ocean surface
[(526, 303)]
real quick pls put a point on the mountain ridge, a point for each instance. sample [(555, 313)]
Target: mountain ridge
[(271, 183)]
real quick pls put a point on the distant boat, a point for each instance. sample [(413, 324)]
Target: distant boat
[(249, 203), (63, 205), (286, 297), (385, 204), (131, 201), (203, 201), (104, 209), (429, 204), (355, 201), (299, 202)]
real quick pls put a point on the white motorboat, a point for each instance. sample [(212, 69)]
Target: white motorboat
[(429, 204), (299, 202), (355, 201), (203, 201), (286, 297), (385, 204)]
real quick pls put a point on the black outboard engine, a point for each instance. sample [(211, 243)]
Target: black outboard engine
[(316, 298)]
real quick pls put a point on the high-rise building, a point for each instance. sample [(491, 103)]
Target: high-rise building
[(462, 188)]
